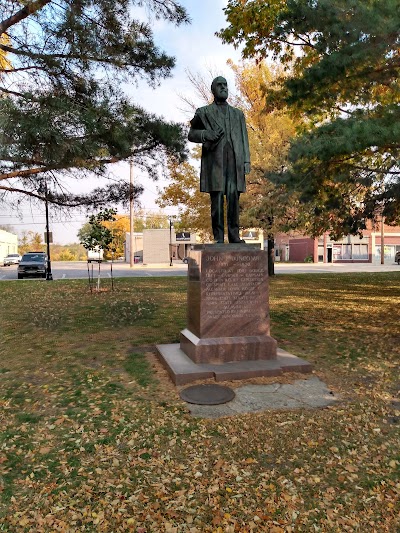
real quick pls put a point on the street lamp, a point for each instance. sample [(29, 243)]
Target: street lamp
[(171, 225), (382, 239), (131, 215), (49, 275)]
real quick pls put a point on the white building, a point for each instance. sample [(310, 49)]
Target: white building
[(8, 244), (159, 245), (166, 245)]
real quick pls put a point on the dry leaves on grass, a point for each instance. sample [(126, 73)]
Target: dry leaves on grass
[(107, 460), (85, 448)]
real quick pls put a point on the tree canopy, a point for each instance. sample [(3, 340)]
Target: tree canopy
[(184, 192), (267, 206), (62, 109), (344, 63), (119, 226), (30, 241)]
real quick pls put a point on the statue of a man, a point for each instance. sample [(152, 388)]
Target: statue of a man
[(225, 158)]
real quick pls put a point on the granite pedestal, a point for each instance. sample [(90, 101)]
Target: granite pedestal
[(228, 325)]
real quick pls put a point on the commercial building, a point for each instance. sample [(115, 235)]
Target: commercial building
[(137, 247), (349, 249), (159, 245), (166, 245), (8, 244)]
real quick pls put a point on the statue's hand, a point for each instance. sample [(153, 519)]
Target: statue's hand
[(212, 135), (247, 168)]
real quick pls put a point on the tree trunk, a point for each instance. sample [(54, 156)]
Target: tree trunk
[(271, 258)]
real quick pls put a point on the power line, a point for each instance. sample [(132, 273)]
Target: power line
[(41, 223)]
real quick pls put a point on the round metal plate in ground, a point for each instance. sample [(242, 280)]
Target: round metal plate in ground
[(207, 394)]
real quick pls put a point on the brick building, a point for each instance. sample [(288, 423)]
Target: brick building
[(349, 249)]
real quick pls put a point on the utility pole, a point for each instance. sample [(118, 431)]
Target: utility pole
[(131, 215), (49, 275), (171, 225)]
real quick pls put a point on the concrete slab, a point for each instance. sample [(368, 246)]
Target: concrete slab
[(183, 370), (301, 394)]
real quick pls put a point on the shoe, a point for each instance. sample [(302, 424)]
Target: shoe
[(219, 242), (237, 241)]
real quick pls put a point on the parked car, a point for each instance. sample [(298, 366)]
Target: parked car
[(33, 264), (12, 259), (397, 258)]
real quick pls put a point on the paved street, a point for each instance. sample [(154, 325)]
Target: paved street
[(78, 269)]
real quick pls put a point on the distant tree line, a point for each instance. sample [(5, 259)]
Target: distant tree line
[(32, 241), (120, 226)]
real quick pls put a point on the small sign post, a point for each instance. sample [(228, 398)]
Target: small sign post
[(50, 237)]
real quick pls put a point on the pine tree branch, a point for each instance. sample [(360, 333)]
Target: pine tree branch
[(24, 173), (374, 170), (22, 14), (346, 111), (4, 90), (80, 200), (79, 57), (305, 40), (22, 191), (19, 69)]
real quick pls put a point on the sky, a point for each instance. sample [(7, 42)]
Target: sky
[(194, 47)]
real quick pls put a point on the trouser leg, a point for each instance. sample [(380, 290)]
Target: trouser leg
[(217, 215), (232, 205), (232, 195)]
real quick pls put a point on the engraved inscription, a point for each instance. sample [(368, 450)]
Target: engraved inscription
[(233, 286)]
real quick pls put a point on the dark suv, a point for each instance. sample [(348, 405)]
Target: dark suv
[(33, 264)]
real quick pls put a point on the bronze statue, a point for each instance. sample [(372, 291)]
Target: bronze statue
[(225, 158)]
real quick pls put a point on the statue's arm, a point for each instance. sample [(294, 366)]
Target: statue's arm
[(197, 129), (246, 148), (199, 133), (196, 136)]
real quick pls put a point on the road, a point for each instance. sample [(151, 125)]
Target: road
[(78, 269)]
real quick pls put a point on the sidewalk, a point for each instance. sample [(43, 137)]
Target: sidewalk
[(310, 393), (310, 268), (287, 268)]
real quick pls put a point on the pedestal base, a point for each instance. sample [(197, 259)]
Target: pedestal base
[(227, 349), (227, 335), (183, 370)]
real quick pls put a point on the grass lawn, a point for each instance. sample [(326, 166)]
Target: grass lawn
[(94, 437)]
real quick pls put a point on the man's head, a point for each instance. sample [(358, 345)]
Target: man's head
[(219, 88)]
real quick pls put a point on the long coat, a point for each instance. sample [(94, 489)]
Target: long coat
[(211, 174)]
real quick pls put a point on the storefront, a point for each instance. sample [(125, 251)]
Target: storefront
[(350, 248), (353, 249)]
